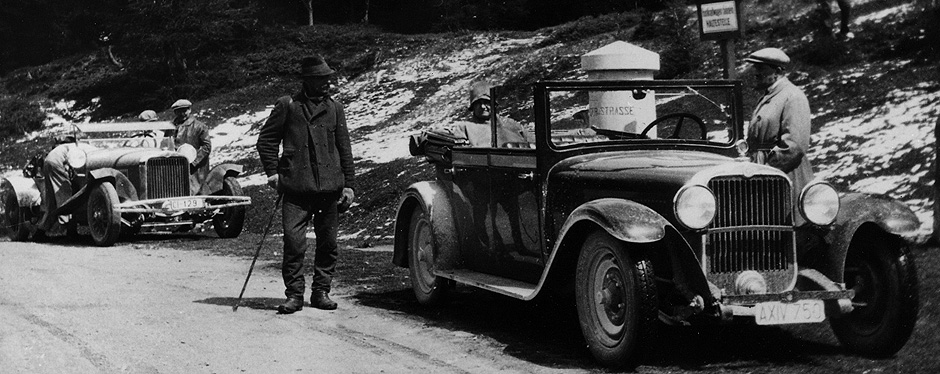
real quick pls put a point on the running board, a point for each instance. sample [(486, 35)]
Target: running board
[(489, 282)]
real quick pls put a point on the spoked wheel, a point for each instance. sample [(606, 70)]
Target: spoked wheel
[(428, 288), (616, 300), (229, 223), (104, 220), (13, 221), (884, 278)]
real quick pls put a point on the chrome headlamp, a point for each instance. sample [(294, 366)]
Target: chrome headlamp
[(76, 157), (819, 203), (694, 206)]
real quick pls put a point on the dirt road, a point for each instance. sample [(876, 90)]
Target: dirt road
[(142, 307), (76, 309)]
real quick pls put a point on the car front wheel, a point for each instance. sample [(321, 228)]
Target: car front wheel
[(104, 219), (13, 219), (229, 223), (428, 288), (616, 300), (884, 278)]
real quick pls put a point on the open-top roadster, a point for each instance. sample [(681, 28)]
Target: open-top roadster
[(638, 198), (125, 178)]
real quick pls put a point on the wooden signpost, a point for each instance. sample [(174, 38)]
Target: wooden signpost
[(721, 21)]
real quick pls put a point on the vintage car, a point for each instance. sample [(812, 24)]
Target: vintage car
[(638, 198), (126, 178)]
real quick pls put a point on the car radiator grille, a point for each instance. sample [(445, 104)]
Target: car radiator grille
[(751, 211), (167, 177)]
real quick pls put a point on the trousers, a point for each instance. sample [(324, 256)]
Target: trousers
[(297, 212)]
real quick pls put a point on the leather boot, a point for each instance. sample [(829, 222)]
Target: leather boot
[(321, 300), (290, 306)]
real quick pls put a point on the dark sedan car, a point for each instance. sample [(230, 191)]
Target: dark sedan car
[(639, 197)]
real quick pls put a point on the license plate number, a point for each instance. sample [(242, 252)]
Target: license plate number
[(803, 311), (186, 203)]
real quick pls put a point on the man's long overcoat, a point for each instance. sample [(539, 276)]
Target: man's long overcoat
[(779, 134), (196, 134), (317, 154)]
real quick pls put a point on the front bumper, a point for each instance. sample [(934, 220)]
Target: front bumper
[(837, 299), (183, 204)]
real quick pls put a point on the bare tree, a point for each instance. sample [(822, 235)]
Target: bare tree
[(309, 5), (365, 18)]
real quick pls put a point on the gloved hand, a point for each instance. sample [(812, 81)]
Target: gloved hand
[(273, 181), (345, 200)]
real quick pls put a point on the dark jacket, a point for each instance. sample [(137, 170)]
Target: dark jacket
[(317, 155), (196, 134)]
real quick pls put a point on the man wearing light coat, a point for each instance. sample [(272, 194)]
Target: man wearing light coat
[(779, 131)]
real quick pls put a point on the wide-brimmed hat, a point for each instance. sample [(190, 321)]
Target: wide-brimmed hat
[(315, 66), (479, 90), (181, 103), (769, 56)]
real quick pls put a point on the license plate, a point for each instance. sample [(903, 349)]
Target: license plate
[(776, 313), (186, 204)]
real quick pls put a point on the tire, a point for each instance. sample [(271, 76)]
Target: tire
[(229, 223), (429, 289), (104, 220), (13, 222), (886, 301), (616, 300)]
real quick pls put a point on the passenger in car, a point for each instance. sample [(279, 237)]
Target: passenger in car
[(476, 132), (157, 135)]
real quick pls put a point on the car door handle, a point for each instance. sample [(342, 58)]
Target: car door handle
[(530, 175)]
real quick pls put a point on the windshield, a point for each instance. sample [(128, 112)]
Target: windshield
[(673, 113)]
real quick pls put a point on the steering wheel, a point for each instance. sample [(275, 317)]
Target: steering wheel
[(682, 116), (148, 134), (617, 135)]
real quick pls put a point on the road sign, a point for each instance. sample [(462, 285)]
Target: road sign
[(720, 19)]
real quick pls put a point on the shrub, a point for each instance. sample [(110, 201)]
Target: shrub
[(18, 116)]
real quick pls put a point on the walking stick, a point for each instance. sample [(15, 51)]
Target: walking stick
[(258, 251)]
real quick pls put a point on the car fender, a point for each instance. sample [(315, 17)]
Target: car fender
[(125, 189), (630, 222), (27, 192), (858, 209), (213, 182), (433, 198), (625, 220)]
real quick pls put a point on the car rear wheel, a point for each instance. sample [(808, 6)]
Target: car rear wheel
[(104, 219), (13, 221), (884, 278), (616, 300), (428, 288), (229, 223)]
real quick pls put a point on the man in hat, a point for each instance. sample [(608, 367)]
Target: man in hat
[(476, 131), (316, 175), (58, 187), (157, 135), (779, 131), (191, 131)]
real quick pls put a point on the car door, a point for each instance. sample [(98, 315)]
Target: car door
[(514, 217)]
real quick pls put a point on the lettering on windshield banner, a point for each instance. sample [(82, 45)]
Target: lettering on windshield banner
[(611, 111)]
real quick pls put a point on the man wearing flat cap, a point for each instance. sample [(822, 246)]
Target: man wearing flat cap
[(191, 131), (779, 132), (315, 173)]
